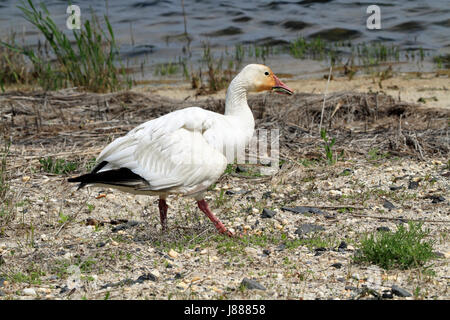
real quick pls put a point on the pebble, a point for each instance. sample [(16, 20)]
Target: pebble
[(29, 292), (266, 213), (251, 251), (413, 185), (336, 193), (342, 246), (388, 205), (252, 284), (307, 228), (400, 291), (437, 199), (267, 195), (172, 253), (148, 276), (337, 265), (383, 229), (26, 178)]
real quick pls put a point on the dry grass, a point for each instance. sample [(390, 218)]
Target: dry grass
[(56, 228)]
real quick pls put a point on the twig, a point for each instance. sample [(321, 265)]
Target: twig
[(324, 97), (398, 219)]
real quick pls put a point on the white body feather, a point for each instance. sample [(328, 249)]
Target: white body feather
[(183, 151)]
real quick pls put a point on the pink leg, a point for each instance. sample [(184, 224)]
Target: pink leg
[(219, 225), (163, 213)]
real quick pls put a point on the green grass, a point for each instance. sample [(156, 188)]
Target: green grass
[(442, 61), (166, 69), (328, 147), (13, 68), (375, 154), (301, 48), (406, 248), (90, 63), (57, 166)]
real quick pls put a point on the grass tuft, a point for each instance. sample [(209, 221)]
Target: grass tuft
[(88, 63), (57, 166), (406, 248)]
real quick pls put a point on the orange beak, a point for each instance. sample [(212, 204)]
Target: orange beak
[(280, 87)]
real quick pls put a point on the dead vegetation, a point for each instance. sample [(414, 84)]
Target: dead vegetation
[(113, 241)]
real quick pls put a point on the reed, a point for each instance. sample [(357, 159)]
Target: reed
[(89, 63), (13, 69)]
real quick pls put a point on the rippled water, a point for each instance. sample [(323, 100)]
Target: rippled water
[(153, 27)]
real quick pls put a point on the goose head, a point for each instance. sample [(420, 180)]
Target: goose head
[(258, 77)]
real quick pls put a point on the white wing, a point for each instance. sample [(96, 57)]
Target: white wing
[(171, 151)]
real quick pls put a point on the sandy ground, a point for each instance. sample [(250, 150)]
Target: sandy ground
[(409, 87), (99, 243)]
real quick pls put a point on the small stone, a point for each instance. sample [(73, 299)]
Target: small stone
[(337, 265), (387, 294), (252, 284), (395, 188), (266, 252), (178, 275), (307, 228), (437, 199), (400, 291), (241, 169), (251, 251), (388, 205), (347, 172), (413, 185), (319, 251), (146, 277), (100, 244), (342, 246), (172, 253), (383, 229), (266, 213), (182, 286), (233, 192), (267, 195), (336, 193), (29, 292), (26, 178)]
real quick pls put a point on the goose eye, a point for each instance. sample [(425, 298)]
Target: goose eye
[(266, 73)]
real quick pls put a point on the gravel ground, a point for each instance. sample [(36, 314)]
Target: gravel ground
[(99, 243)]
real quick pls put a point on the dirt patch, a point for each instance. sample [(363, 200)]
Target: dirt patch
[(100, 243)]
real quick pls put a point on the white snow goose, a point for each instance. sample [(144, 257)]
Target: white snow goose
[(182, 152)]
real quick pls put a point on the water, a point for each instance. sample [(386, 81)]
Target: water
[(150, 30)]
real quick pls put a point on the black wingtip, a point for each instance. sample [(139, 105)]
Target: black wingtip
[(86, 178)]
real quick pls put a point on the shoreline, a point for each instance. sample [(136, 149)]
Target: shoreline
[(408, 87)]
